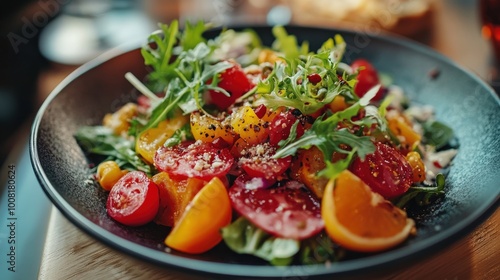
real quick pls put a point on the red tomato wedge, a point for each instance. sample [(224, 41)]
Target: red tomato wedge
[(386, 171), (367, 78), (133, 200), (234, 81), (288, 211), (281, 125), (194, 160)]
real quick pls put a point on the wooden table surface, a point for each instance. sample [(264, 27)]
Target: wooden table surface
[(71, 254)]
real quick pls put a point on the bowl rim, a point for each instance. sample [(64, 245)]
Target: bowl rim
[(396, 255)]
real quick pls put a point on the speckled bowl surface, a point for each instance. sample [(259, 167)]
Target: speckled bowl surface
[(460, 99)]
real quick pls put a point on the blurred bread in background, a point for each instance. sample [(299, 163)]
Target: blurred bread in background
[(409, 18)]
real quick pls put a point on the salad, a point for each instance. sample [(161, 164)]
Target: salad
[(280, 152)]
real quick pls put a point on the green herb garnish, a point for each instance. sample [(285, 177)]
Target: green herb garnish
[(422, 195), (325, 135), (288, 83), (437, 133), (100, 140)]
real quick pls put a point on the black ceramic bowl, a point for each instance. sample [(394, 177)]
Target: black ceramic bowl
[(461, 100)]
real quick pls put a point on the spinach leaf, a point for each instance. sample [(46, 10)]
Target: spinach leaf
[(437, 133), (245, 238), (320, 249)]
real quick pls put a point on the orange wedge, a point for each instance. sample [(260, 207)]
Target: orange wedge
[(361, 220)]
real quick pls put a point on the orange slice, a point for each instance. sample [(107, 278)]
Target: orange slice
[(361, 220)]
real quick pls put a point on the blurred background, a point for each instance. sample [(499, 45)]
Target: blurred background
[(42, 41)]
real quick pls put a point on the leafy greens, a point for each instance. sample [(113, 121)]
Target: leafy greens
[(245, 238), (100, 140), (325, 135), (288, 83), (182, 67)]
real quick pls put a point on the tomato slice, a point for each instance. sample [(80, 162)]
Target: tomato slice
[(151, 139), (281, 125), (386, 171), (134, 200), (248, 182), (268, 168), (258, 161), (194, 160), (288, 211), (234, 81)]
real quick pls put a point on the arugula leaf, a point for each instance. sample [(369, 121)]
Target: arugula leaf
[(325, 135), (333, 169), (167, 107), (180, 135), (422, 195), (193, 35), (245, 238), (185, 82), (437, 133), (289, 86), (242, 46), (287, 44), (320, 249), (159, 57), (288, 83), (100, 140), (334, 47), (322, 132)]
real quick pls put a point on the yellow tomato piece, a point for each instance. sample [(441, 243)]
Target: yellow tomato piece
[(119, 121), (198, 229), (174, 197), (417, 166), (270, 56), (272, 113), (207, 129), (338, 104), (400, 127), (108, 173), (249, 126), (152, 139), (239, 146)]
